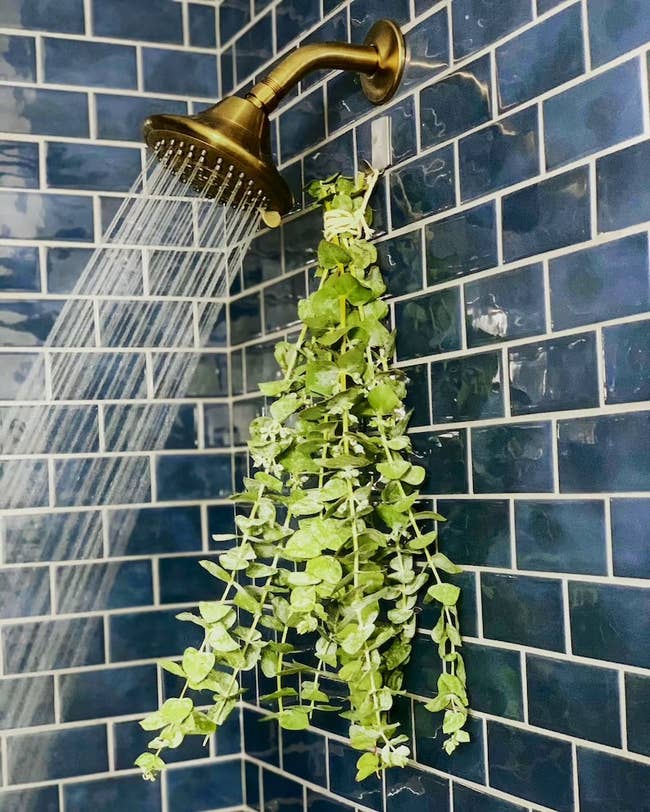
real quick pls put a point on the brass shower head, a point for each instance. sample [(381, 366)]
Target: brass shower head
[(226, 149)]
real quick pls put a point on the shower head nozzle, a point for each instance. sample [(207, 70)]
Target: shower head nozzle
[(225, 151)]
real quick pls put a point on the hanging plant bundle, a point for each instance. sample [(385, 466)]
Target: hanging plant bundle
[(333, 547)]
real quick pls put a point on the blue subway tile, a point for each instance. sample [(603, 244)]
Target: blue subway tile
[(303, 125), (121, 117), (281, 792), (43, 112), (26, 701), (524, 610), (64, 266), (531, 766), (631, 553), (337, 155), (106, 375), (467, 388), (32, 216), (237, 372), (216, 425), (281, 302), (263, 260), (403, 132), (301, 237), (202, 26), (320, 803), (243, 413), (129, 740), (456, 103), (194, 476), (443, 456), (606, 453), (126, 792), (24, 591), (610, 622), (475, 532), (28, 323), (547, 215), (123, 20), (183, 580), (86, 63), (342, 767), (52, 644), (428, 44), (515, 458), (578, 700), (233, 16), (496, 685), (260, 365), (333, 30), (179, 72), (61, 754), (637, 703), (17, 58), (245, 318), (623, 197), (566, 536), (210, 378), (422, 187), (254, 48), (500, 155), (428, 324), (557, 374), (261, 739), (616, 26), (17, 367), (627, 356), (541, 58), (91, 587), (141, 635), (400, 259), (409, 789), (467, 762), (506, 306), (108, 692), (304, 755), (423, 668), (594, 115), (193, 789), (345, 100), (469, 800), (586, 286), (293, 18), (478, 23), (113, 481), (252, 781), (417, 395), (18, 165), (175, 427), (87, 166), (63, 16), (43, 799), (363, 14), (23, 471), (608, 782), (461, 244), (19, 270), (52, 537), (468, 613)]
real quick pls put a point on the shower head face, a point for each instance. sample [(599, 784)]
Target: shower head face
[(222, 152)]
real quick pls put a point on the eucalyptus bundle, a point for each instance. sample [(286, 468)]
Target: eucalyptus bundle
[(333, 547)]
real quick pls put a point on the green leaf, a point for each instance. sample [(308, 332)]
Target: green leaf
[(443, 563), (215, 570), (274, 388), (362, 253), (213, 611), (395, 469), (330, 255), (367, 765), (363, 738), (447, 594), (453, 720), (172, 667), (383, 399), (285, 407), (420, 542), (149, 763), (325, 568), (322, 377), (175, 711), (155, 721), (197, 664), (294, 719), (220, 640)]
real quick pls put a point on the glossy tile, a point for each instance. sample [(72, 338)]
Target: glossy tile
[(524, 610), (254, 48), (183, 580), (45, 216), (409, 789), (263, 260), (345, 100), (321, 803), (304, 754), (121, 117), (86, 166), (461, 244), (627, 356), (363, 14), (607, 453), (52, 537), (531, 766), (262, 739), (122, 20), (586, 286), (62, 753), (547, 215), (478, 23), (428, 325), (281, 302), (469, 800), (181, 73), (637, 703), (456, 103), (563, 536), (28, 323), (196, 476), (623, 199), (87, 63), (506, 306), (260, 365), (43, 799), (148, 634), (428, 45), (400, 259), (233, 16), (91, 587), (476, 532), (422, 187), (467, 611), (540, 58), (417, 395), (16, 368), (129, 740), (300, 239), (69, 474), (615, 26), (281, 792), (43, 112), (24, 591), (500, 155), (70, 643), (578, 700), (17, 58), (196, 788), (467, 388), (66, 17), (15, 712), (512, 459), (337, 155), (554, 375), (245, 318), (19, 270), (631, 552), (293, 18), (496, 687), (594, 115), (302, 125), (403, 132), (108, 692), (202, 25), (608, 782), (443, 456), (342, 769), (24, 470), (609, 622), (468, 761), (127, 792)]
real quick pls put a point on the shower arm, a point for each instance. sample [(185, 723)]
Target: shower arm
[(380, 60)]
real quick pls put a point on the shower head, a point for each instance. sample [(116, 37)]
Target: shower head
[(225, 150)]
